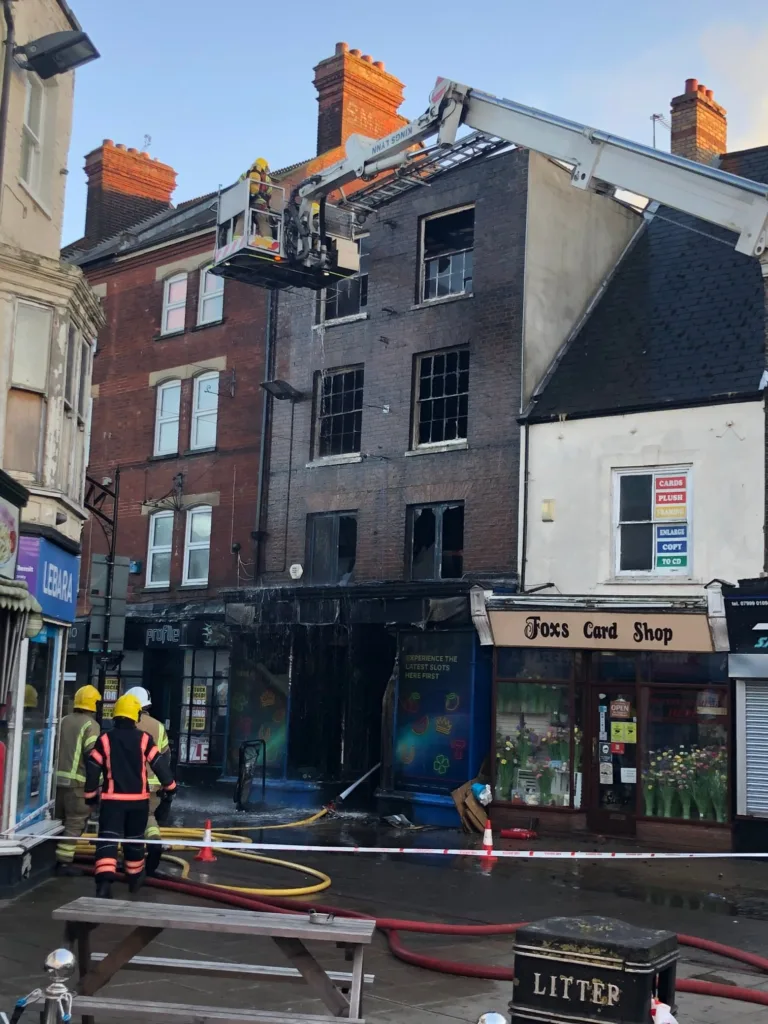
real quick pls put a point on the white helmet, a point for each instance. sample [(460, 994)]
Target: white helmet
[(141, 695)]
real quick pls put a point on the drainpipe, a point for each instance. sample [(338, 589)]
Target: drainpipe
[(5, 90), (266, 410), (524, 530)]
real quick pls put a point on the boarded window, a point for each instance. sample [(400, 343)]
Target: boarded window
[(31, 345), (23, 425), (332, 547)]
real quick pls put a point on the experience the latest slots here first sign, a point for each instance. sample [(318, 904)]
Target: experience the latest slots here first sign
[(670, 512)]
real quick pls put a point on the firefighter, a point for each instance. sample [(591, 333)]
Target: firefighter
[(160, 737), (77, 734), (260, 200), (116, 774)]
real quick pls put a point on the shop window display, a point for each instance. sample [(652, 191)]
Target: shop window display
[(686, 755)]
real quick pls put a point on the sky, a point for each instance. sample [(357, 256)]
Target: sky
[(216, 84)]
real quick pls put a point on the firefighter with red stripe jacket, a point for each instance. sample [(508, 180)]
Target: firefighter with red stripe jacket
[(117, 775)]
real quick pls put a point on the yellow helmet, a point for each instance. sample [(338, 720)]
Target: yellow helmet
[(30, 696), (86, 698), (260, 164), (127, 706)]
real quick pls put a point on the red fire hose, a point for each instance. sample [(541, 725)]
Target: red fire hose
[(391, 926)]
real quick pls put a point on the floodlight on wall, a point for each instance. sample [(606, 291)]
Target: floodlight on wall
[(56, 54), (282, 390)]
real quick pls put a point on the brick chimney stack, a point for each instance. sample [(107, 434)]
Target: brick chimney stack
[(124, 187), (355, 95), (699, 124)]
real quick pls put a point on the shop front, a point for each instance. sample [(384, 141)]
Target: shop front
[(615, 722)]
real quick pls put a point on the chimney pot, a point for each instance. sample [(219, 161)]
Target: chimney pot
[(710, 94), (120, 146), (133, 150), (701, 88), (355, 53), (691, 84), (107, 142), (367, 58), (379, 64), (341, 48)]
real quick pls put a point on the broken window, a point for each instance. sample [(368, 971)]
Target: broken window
[(436, 541), (347, 297), (447, 250), (332, 547), (442, 397), (339, 411)]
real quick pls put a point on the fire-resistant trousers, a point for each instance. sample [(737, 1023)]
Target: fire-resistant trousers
[(73, 811), (124, 820)]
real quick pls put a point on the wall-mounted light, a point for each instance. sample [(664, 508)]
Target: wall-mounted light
[(56, 53), (282, 390)]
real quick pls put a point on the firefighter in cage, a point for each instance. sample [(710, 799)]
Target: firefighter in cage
[(262, 221)]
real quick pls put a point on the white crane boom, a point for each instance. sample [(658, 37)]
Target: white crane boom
[(732, 202)]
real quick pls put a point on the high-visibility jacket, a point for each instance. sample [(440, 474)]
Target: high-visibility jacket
[(120, 761), (77, 734), (157, 731), (260, 187)]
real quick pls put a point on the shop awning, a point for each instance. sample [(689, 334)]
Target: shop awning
[(15, 597)]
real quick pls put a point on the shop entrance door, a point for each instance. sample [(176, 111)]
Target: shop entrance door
[(612, 800)]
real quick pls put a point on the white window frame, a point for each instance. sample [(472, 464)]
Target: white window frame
[(158, 549), (204, 297), (29, 138), (83, 391), (161, 421), (70, 368), (169, 307), (655, 573), (422, 299), (190, 545), (203, 414)]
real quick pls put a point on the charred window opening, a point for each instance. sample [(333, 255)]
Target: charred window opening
[(332, 547), (442, 397), (348, 297), (340, 411), (449, 240), (436, 541)]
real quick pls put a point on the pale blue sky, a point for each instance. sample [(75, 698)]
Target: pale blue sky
[(216, 84)]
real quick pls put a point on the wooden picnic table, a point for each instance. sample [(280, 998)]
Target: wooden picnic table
[(146, 921)]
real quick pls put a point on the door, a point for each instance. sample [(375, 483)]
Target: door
[(163, 672), (612, 800)]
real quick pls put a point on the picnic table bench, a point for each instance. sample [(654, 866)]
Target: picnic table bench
[(340, 992)]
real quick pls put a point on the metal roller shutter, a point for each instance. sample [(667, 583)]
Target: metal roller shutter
[(756, 713)]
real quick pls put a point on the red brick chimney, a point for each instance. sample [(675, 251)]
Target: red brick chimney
[(699, 125), (124, 187), (355, 95)]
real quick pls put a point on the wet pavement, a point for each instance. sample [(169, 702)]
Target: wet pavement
[(724, 901)]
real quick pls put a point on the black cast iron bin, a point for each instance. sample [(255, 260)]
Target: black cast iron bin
[(591, 968)]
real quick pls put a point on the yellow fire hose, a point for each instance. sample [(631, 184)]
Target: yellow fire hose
[(228, 834)]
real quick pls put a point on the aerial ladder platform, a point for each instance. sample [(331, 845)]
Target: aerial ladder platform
[(302, 240)]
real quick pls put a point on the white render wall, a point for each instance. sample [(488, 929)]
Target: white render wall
[(571, 463)]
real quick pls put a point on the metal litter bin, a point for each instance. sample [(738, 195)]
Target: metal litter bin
[(591, 968)]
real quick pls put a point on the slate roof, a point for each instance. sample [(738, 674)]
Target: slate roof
[(682, 320)]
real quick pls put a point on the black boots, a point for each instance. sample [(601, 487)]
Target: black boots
[(103, 889), (135, 882), (66, 870), (153, 859)]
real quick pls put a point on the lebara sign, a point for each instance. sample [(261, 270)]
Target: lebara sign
[(51, 574)]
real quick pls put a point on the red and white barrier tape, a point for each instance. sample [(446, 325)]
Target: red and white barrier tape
[(425, 851)]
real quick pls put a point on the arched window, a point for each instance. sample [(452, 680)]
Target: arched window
[(174, 304)]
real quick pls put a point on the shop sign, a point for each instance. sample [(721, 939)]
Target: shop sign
[(746, 615), (186, 634), (620, 709), (670, 495), (51, 574), (671, 549), (602, 630), (9, 539)]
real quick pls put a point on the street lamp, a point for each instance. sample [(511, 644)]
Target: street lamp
[(282, 390), (55, 54)]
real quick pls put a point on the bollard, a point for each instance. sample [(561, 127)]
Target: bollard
[(60, 966), (591, 968)]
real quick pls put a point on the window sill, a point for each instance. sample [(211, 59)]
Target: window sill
[(199, 451), (208, 323), (38, 202), (193, 586), (354, 318), (335, 460), (442, 446), (427, 303), (655, 581), (157, 588), (163, 458), (169, 334)]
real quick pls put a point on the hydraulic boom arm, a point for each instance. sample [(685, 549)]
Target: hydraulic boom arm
[(596, 157)]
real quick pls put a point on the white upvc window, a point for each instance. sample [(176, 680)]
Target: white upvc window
[(197, 545), (205, 411), (210, 307), (652, 521), (159, 549), (32, 134), (167, 418), (174, 304)]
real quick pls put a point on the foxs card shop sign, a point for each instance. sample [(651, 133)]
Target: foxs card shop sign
[(52, 576)]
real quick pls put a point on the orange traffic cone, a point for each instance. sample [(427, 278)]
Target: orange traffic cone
[(206, 854), (488, 838)]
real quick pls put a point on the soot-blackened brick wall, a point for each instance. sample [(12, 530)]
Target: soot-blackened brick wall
[(386, 481), (129, 351)]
